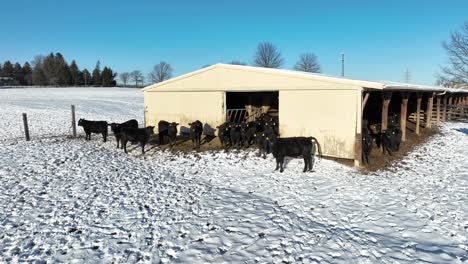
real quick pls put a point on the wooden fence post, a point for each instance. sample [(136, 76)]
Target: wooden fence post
[(438, 111), (73, 120), (26, 127)]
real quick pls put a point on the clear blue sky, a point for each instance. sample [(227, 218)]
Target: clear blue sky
[(380, 38)]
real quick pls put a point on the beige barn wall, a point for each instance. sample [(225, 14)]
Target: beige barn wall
[(328, 115), (184, 107)]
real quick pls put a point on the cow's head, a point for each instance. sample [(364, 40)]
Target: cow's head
[(80, 122), (150, 130), (113, 126)]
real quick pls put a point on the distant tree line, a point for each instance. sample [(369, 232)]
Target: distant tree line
[(53, 70)]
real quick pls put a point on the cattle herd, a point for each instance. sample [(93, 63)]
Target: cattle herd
[(263, 132), (388, 139)]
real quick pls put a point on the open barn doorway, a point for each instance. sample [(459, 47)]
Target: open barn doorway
[(246, 106)]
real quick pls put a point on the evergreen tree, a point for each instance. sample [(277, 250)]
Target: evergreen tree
[(18, 73), (62, 70), (108, 77), (75, 74), (97, 81), (39, 77), (49, 69), (86, 77), (7, 69), (27, 74), (1, 70)]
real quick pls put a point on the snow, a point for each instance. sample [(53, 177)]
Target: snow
[(65, 200)]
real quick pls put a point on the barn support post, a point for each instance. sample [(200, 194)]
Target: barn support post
[(444, 109), (26, 127), (358, 136), (418, 112), (430, 103), (450, 104), (438, 110), (403, 114), (386, 97), (73, 120)]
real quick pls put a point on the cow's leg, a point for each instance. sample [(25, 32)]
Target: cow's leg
[(142, 147), (281, 164), (311, 162), (118, 141), (104, 136), (124, 144), (306, 163), (277, 164)]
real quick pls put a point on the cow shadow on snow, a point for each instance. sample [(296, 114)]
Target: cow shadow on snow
[(463, 130)]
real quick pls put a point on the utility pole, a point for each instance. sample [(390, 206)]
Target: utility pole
[(342, 64), (407, 76)]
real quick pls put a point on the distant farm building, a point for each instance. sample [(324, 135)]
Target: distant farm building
[(328, 108)]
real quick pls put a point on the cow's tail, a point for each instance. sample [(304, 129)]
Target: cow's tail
[(319, 148)]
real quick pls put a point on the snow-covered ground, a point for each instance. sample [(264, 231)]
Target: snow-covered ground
[(64, 200), (49, 109)]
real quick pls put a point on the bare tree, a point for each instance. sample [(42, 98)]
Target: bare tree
[(136, 76), (307, 62), (161, 72), (124, 76), (456, 72), (236, 62), (268, 56)]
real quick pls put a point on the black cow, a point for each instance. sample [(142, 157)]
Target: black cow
[(394, 120), (224, 133), (391, 139), (98, 127), (295, 147), (264, 140), (196, 131), (366, 143), (136, 135), (172, 133), (248, 131), (117, 129), (235, 134), (162, 131), (169, 130)]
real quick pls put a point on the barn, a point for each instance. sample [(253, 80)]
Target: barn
[(328, 108)]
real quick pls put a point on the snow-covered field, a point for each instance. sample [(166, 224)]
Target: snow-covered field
[(64, 200)]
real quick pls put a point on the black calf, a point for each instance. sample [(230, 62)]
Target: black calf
[(366, 144), (135, 135), (295, 147), (224, 134), (98, 127), (117, 129), (196, 131), (235, 135), (391, 140), (248, 131)]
